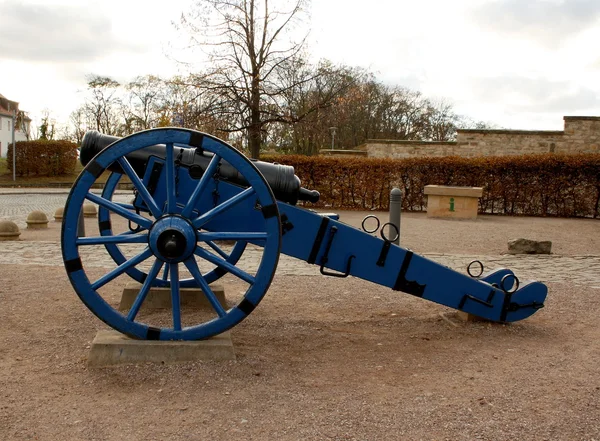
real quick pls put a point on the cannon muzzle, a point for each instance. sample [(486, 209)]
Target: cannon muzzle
[(281, 178)]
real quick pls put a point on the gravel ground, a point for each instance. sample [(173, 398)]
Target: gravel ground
[(319, 359)]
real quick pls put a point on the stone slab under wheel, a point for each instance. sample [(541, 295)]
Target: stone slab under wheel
[(160, 298), (111, 348)]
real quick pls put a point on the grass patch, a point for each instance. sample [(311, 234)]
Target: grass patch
[(6, 179)]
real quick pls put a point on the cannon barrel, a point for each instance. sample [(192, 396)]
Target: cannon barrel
[(281, 178)]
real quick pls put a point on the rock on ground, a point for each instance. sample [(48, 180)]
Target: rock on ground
[(527, 246)]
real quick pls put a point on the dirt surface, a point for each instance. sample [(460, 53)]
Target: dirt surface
[(319, 359)]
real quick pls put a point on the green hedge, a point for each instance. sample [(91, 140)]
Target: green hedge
[(43, 158), (536, 185)]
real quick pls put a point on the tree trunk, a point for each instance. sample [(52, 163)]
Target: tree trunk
[(254, 138), (254, 135)]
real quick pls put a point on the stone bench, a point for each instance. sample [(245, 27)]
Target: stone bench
[(452, 202)]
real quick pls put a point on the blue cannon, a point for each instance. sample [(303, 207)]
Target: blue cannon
[(194, 193)]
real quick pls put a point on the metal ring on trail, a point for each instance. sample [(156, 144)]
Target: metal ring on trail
[(515, 286), (382, 232), (370, 216), (469, 269)]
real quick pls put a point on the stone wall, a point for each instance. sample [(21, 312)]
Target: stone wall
[(342, 153), (381, 148), (506, 142), (581, 135)]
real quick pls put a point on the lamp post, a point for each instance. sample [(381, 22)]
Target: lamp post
[(14, 125), (333, 129)]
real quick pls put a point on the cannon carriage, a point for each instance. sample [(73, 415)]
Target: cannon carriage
[(200, 205)]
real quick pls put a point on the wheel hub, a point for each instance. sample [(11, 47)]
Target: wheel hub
[(172, 239)]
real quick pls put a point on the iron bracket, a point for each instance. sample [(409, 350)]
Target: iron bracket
[(487, 302), (325, 257), (384, 252)]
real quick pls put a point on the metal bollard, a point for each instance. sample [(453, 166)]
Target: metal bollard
[(395, 208)]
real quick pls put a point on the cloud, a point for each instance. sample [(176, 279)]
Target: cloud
[(56, 33), (545, 21), (580, 99), (536, 94), (595, 65)]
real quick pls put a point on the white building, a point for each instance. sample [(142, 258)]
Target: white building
[(7, 107)]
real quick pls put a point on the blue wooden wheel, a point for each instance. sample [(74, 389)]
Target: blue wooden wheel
[(105, 228), (171, 237)]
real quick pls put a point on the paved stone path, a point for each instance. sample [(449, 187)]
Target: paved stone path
[(579, 270), (16, 204)]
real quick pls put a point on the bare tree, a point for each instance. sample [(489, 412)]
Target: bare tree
[(312, 101), (47, 127), (249, 48), (78, 123), (299, 103), (22, 123), (188, 103), (441, 121), (104, 103), (465, 122), (144, 96)]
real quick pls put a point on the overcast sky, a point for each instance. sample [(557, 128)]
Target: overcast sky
[(520, 64)]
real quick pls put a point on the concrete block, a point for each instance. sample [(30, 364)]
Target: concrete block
[(160, 298), (452, 202), (466, 317), (456, 207), (111, 348), (446, 190)]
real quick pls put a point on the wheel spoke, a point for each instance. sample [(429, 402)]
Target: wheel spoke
[(175, 297), (102, 240), (137, 304), (129, 233), (140, 187), (165, 275), (140, 220), (225, 265), (122, 268), (208, 174), (125, 206), (206, 217), (246, 236), (219, 251), (192, 266), (170, 175)]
